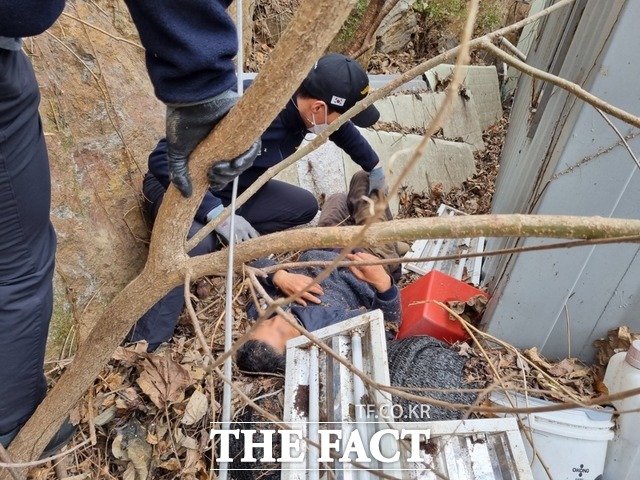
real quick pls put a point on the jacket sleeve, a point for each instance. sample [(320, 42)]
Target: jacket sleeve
[(26, 18), (389, 303), (159, 168), (349, 139), (189, 47)]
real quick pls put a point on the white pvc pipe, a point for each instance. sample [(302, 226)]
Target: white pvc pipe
[(314, 413), (358, 393)]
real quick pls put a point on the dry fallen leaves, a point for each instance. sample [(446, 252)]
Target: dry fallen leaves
[(163, 380), (197, 407), (542, 377), (617, 340)]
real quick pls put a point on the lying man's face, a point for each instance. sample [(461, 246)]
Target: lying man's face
[(275, 332)]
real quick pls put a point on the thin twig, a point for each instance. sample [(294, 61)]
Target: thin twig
[(4, 457), (568, 322), (42, 461), (119, 39), (513, 49), (622, 139)]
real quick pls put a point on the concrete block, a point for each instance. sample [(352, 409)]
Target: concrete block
[(483, 84), (322, 171), (444, 162), (289, 174), (417, 111)]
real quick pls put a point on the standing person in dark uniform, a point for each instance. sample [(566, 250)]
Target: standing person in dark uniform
[(189, 51), (333, 86)]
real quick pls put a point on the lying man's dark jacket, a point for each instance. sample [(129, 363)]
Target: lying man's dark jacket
[(345, 296)]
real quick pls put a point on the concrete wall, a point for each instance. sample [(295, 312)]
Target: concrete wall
[(447, 162)]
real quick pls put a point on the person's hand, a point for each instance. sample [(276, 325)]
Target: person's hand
[(374, 275), (290, 283), (377, 180), (187, 126), (223, 173), (242, 229)]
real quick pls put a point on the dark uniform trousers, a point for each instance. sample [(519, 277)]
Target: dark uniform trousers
[(27, 244), (275, 207)]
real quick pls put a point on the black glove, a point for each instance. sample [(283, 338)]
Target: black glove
[(224, 172), (187, 126)]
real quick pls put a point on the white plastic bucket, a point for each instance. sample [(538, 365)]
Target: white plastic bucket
[(572, 443)]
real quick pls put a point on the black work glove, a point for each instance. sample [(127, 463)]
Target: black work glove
[(187, 126), (223, 173)]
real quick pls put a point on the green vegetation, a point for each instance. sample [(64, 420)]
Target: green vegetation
[(350, 27), (453, 14), (62, 324), (445, 11)]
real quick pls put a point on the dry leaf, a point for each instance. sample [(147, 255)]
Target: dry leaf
[(465, 350), (189, 443), (139, 453), (130, 445), (163, 380), (196, 408), (152, 439), (105, 417), (130, 473), (114, 381), (116, 448), (565, 367), (535, 357), (173, 464), (130, 354), (617, 340)]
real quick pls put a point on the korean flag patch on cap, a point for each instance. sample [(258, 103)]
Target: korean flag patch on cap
[(338, 101)]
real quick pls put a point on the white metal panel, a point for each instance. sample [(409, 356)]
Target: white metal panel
[(526, 159), (584, 172)]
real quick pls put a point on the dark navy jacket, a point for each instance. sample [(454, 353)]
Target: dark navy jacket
[(281, 139), (189, 45), (345, 296)]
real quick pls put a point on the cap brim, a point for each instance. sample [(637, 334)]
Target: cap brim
[(367, 117)]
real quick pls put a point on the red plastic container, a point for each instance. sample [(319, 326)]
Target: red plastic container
[(427, 318)]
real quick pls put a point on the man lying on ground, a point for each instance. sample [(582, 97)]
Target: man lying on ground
[(347, 292)]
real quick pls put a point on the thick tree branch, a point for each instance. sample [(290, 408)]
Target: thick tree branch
[(369, 26), (167, 262), (517, 225)]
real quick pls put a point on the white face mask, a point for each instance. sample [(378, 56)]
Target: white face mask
[(318, 128)]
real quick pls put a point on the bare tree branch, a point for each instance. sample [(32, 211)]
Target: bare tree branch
[(369, 26), (167, 263), (570, 87)]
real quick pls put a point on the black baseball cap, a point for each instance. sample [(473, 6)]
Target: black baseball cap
[(341, 82)]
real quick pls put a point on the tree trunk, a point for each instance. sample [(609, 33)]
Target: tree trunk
[(168, 262), (365, 44), (365, 26)]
